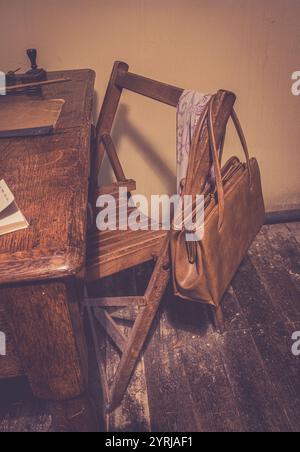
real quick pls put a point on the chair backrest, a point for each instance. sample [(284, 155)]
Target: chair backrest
[(121, 79)]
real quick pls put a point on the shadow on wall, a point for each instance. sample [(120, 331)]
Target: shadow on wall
[(124, 127)]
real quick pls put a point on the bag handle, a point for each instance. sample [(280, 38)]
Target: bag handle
[(216, 161)]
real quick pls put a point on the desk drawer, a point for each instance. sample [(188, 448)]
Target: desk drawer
[(10, 365)]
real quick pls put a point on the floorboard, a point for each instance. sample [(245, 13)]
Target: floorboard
[(253, 391), (170, 403), (276, 258), (207, 385)]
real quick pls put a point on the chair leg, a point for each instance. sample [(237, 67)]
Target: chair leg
[(218, 319), (132, 349), (139, 333)]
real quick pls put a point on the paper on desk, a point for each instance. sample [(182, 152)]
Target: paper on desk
[(6, 196), (11, 217)]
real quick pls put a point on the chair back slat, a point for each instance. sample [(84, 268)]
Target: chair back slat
[(153, 89), (106, 119)]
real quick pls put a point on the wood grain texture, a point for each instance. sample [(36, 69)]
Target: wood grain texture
[(277, 259), (161, 92), (111, 328), (47, 341), (49, 178), (40, 286), (28, 117), (106, 118), (10, 365), (20, 412), (141, 327), (133, 414)]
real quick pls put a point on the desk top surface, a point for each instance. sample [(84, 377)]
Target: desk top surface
[(49, 178)]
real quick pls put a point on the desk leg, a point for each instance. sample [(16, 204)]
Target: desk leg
[(48, 331)]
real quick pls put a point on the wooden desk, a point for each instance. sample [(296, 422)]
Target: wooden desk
[(39, 267)]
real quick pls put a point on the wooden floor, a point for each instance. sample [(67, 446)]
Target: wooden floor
[(193, 379)]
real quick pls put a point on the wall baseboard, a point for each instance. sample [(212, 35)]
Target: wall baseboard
[(283, 216)]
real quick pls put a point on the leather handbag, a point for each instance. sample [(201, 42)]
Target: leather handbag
[(234, 213)]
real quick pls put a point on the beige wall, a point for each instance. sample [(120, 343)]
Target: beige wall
[(248, 46)]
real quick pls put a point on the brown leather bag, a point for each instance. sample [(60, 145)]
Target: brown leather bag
[(234, 214)]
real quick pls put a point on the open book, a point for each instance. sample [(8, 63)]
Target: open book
[(11, 218)]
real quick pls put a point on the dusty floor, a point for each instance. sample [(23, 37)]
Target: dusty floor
[(193, 379)]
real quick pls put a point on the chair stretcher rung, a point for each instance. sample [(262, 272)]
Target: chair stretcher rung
[(114, 302), (111, 328)]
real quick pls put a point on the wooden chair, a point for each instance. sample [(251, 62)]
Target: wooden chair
[(112, 251)]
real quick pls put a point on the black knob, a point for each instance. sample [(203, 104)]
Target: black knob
[(32, 55)]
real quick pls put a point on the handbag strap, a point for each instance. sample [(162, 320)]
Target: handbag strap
[(216, 161)]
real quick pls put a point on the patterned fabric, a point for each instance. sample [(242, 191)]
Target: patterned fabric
[(190, 107)]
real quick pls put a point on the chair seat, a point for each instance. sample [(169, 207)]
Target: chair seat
[(110, 252)]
